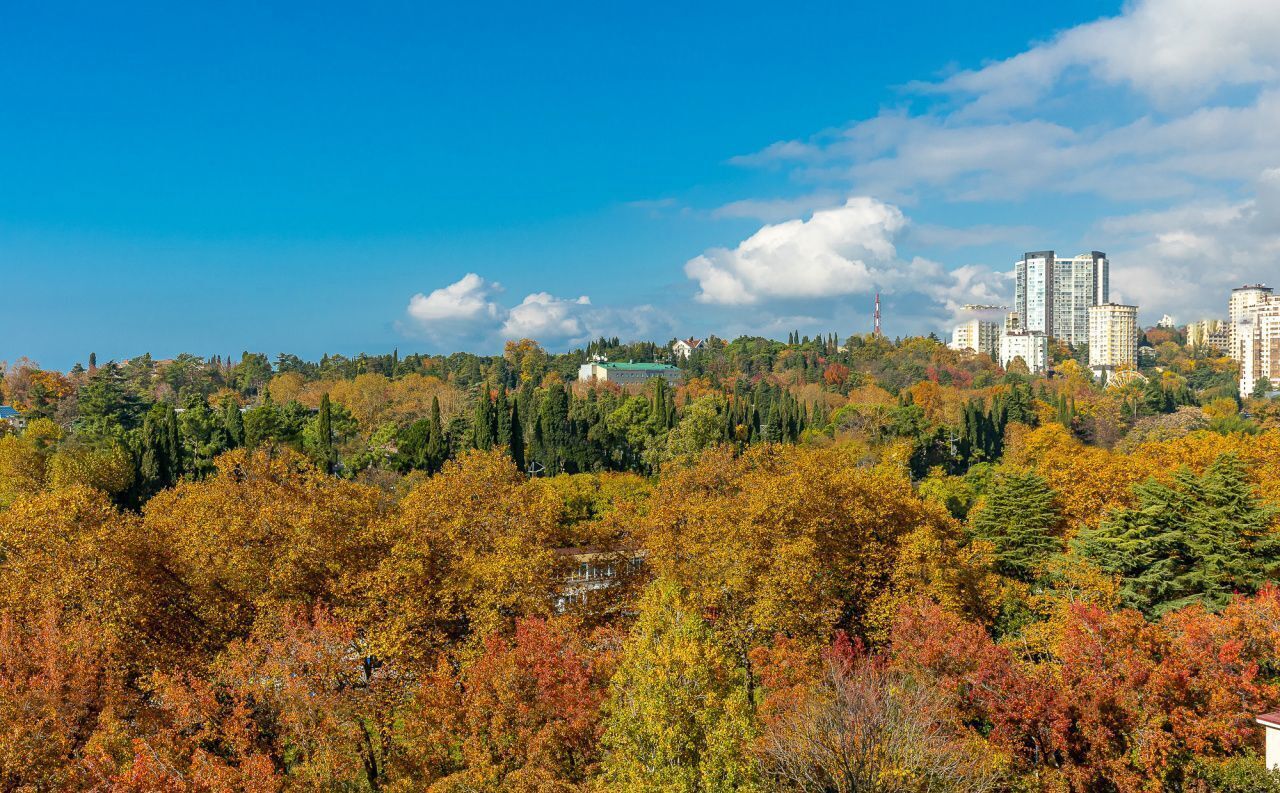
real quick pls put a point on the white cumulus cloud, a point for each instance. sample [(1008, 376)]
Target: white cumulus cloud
[(544, 316), (466, 313), (1172, 51), (465, 300), (831, 253)]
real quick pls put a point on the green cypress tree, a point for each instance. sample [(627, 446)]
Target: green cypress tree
[(482, 421), (326, 457), (437, 447), (552, 433), (233, 423), (516, 444), (502, 419), (173, 445)]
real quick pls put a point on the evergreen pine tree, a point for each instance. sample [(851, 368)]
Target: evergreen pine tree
[(1021, 521), (1197, 540)]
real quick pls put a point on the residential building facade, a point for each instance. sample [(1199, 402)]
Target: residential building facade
[(9, 415), (977, 335), (589, 570), (1032, 346), (1271, 743), (1258, 336), (683, 348), (1113, 339), (1211, 334), (1243, 303), (1053, 294), (1033, 291)]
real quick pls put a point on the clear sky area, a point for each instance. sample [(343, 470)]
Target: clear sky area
[(324, 177)]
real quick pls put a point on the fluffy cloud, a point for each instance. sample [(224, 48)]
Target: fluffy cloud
[(542, 316), (1186, 259), (1150, 134), (798, 273), (825, 255), (465, 313), (907, 158), (1172, 51), (464, 301)]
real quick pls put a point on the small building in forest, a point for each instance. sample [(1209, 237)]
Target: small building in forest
[(10, 415), (629, 373), (590, 569), (683, 348), (1271, 723)]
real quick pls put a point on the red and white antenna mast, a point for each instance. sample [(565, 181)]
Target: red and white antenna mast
[(876, 330)]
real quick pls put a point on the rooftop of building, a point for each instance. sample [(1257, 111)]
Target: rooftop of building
[(8, 412), (1046, 254), (1247, 287), (643, 367)]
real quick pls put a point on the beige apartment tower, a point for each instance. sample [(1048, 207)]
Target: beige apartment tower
[(1113, 339)]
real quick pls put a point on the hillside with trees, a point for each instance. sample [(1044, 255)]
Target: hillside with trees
[(829, 564)]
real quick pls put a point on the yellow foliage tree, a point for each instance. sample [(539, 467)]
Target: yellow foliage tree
[(71, 552), (109, 468), (265, 530), (1089, 481), (286, 387), (471, 549), (24, 459), (783, 539)]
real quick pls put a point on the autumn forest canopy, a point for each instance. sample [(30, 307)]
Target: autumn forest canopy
[(828, 564)]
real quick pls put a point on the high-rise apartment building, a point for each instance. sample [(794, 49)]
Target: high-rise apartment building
[(1078, 283), (1255, 336), (1240, 308), (978, 335), (1053, 295), (1113, 339), (1033, 291), (978, 330)]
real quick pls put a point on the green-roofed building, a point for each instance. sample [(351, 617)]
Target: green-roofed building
[(625, 374)]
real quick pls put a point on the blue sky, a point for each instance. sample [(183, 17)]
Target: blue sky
[(293, 177)]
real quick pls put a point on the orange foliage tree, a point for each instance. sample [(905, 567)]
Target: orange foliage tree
[(523, 716)]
